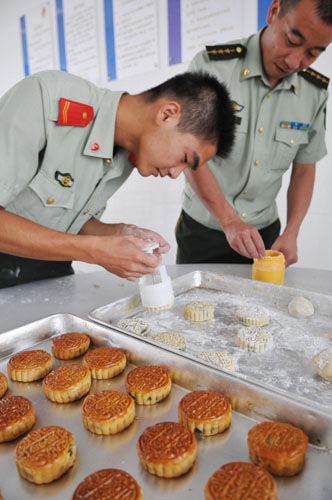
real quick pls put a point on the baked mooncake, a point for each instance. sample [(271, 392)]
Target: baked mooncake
[(172, 339), (167, 449), (279, 448), (70, 345), (108, 484), (252, 316), (17, 416), (3, 384), (205, 412), (27, 366), (105, 362), (67, 383), (108, 412), (135, 325), (45, 454), (198, 311), (148, 384), (254, 339), (219, 358), (240, 480)]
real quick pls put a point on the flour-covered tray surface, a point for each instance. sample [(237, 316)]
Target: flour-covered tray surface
[(286, 364)]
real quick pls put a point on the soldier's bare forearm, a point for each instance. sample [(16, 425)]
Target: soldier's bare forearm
[(24, 238)]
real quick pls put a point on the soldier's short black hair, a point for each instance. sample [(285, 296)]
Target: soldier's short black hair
[(323, 9), (206, 108)]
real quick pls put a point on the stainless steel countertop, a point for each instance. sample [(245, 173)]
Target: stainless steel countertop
[(80, 293)]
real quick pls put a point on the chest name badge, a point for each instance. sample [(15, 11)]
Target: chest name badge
[(294, 125), (74, 113), (64, 180)]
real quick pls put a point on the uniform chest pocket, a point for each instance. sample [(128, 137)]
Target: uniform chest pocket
[(287, 143), (50, 193)]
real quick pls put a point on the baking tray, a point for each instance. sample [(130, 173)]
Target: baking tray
[(285, 368), (119, 451)]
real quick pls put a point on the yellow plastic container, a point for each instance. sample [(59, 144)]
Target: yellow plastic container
[(270, 268)]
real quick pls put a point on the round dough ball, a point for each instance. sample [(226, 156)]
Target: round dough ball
[(300, 307), (322, 363)]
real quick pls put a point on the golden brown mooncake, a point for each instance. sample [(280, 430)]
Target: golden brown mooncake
[(105, 362), (148, 384), (45, 454), (239, 480), (17, 416), (27, 366), (205, 412), (67, 383), (108, 412), (70, 345), (167, 449), (108, 484), (3, 384), (278, 447)]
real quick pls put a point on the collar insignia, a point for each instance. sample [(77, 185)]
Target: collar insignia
[(64, 180)]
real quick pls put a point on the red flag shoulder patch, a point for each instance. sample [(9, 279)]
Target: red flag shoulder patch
[(74, 113)]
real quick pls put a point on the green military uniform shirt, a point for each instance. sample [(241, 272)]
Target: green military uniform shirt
[(250, 177), (58, 176)]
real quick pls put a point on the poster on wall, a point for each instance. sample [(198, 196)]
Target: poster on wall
[(193, 24), (78, 39), (38, 45), (262, 8), (131, 31)]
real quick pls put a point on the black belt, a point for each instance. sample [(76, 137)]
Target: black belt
[(18, 270)]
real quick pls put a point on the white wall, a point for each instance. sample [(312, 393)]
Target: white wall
[(156, 203)]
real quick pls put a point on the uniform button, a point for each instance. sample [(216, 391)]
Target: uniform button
[(292, 141), (261, 130), (108, 160), (94, 146), (246, 72), (244, 215), (50, 201), (268, 95), (256, 163), (85, 212), (245, 191)]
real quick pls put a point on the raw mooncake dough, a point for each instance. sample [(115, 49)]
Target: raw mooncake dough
[(254, 339), (322, 363), (172, 339), (220, 358), (300, 307), (135, 325), (199, 311), (252, 316)]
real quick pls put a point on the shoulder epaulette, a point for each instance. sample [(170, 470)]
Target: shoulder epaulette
[(223, 52), (316, 78)]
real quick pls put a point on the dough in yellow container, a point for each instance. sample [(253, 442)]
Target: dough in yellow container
[(270, 268)]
